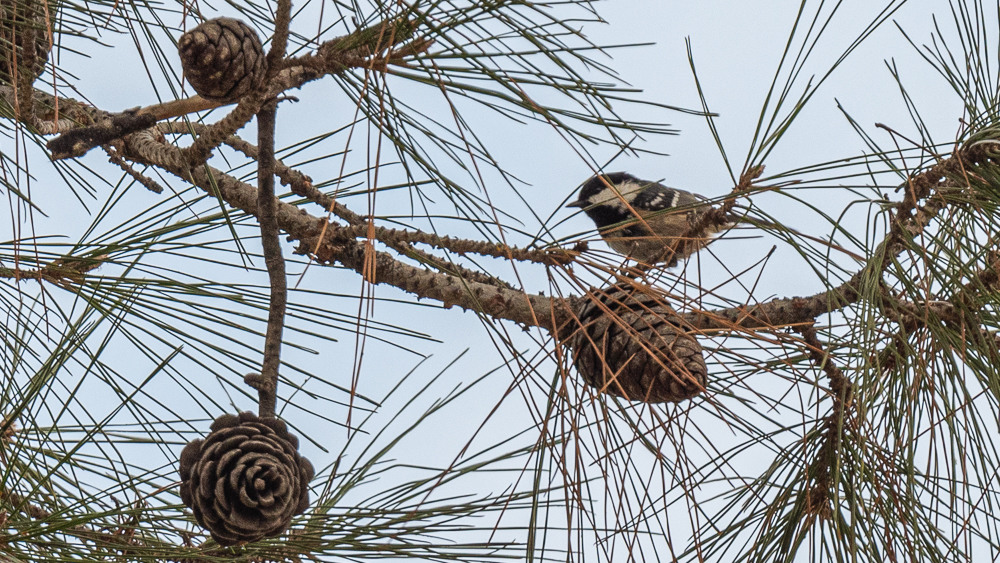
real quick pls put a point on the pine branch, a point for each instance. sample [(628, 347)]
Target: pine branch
[(64, 272), (337, 244), (818, 495), (266, 205), (334, 245), (356, 50), (399, 240)]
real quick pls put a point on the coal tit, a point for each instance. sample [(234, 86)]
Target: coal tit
[(644, 220)]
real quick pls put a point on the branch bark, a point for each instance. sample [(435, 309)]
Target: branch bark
[(266, 206), (339, 245)]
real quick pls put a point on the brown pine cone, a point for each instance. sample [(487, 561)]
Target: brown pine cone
[(23, 23), (222, 59), (246, 480), (633, 345)]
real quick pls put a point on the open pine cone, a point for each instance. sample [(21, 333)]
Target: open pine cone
[(223, 59), (23, 23), (246, 480), (631, 344)]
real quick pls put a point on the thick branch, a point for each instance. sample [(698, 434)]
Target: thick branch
[(338, 244), (52, 115)]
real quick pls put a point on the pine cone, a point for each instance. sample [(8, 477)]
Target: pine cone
[(633, 345), (223, 59), (246, 480), (23, 23)]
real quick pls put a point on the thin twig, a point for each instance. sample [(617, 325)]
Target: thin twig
[(395, 237), (202, 147), (64, 272), (822, 466), (78, 141), (266, 215), (147, 182), (279, 41)]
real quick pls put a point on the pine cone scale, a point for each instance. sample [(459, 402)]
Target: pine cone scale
[(24, 39)]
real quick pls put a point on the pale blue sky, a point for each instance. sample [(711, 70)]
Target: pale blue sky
[(736, 46)]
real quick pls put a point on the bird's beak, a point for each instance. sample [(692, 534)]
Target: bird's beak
[(579, 203)]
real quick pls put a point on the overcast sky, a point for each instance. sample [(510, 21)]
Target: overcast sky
[(736, 47)]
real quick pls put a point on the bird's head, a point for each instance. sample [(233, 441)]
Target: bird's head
[(604, 189)]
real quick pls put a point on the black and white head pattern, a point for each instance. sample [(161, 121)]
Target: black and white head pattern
[(640, 194)]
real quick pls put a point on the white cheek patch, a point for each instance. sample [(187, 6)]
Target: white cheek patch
[(607, 196)]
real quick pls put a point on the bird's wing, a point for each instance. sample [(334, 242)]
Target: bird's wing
[(657, 197)]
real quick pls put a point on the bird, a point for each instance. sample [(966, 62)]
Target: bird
[(644, 220)]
